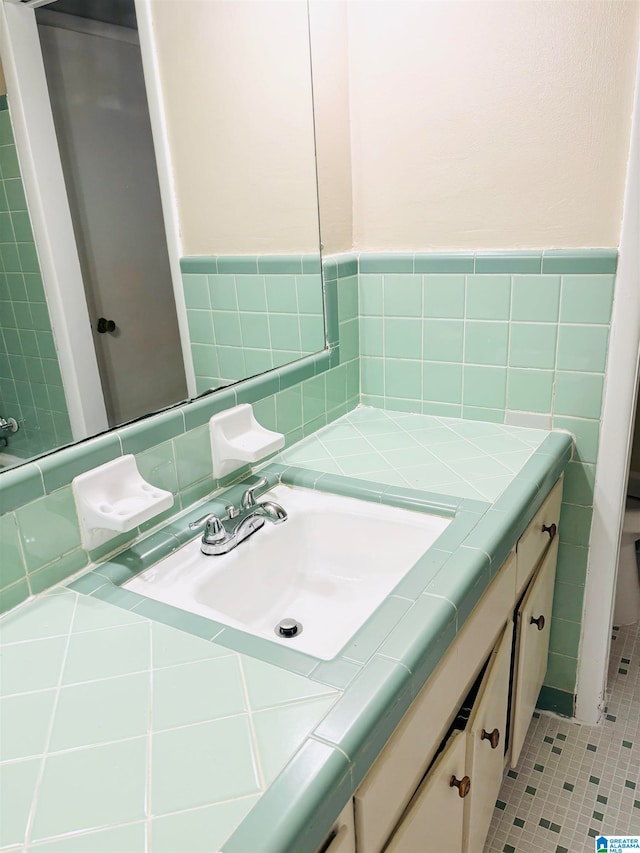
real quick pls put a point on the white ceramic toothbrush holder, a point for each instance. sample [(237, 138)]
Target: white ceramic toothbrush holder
[(237, 439), (113, 498)]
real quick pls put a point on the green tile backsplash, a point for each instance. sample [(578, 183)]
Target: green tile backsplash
[(520, 339), (30, 382), (249, 315)]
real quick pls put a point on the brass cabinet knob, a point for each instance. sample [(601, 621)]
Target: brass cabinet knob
[(551, 530), (493, 737), (539, 622), (462, 785)]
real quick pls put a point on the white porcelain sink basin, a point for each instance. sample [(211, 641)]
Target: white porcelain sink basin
[(328, 566)]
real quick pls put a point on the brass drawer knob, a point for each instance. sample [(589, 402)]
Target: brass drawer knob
[(551, 530), (539, 622), (462, 785), (493, 737)]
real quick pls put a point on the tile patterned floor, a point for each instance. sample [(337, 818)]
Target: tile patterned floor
[(118, 733), (575, 783), (470, 459)]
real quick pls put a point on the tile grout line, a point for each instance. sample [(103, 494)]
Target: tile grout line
[(43, 759), (257, 761), (148, 793)]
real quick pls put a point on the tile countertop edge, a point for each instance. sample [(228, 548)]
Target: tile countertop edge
[(365, 716)]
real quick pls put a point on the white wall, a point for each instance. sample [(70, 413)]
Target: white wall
[(615, 445), (237, 97), (490, 124)]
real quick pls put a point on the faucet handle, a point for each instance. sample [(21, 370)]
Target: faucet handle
[(249, 497), (213, 528)]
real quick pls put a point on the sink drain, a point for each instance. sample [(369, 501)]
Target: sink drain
[(288, 628)]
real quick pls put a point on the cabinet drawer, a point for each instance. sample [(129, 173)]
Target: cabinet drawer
[(537, 536), (433, 821), (391, 782), (532, 646), (485, 743)]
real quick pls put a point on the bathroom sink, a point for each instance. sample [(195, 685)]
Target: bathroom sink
[(328, 567)]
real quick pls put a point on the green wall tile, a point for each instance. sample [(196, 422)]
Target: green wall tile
[(193, 456), (48, 527), (446, 262), (196, 291), (578, 394), (586, 299), (585, 433), (486, 342), (402, 295), (443, 340), (579, 479), (371, 336), (442, 383), (157, 466), (403, 378), (57, 571), (535, 298), (529, 390), (198, 265), (402, 338), (488, 297), (13, 595), (565, 637), (532, 345), (281, 293), (382, 262), (579, 261), (222, 292), (243, 265), (561, 672), (508, 262), (572, 563), (372, 375), (582, 348), (485, 386), (567, 602), (12, 568), (575, 524), (444, 296)]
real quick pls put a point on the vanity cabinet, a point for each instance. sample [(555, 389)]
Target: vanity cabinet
[(342, 836), (433, 787), (452, 808), (532, 647)]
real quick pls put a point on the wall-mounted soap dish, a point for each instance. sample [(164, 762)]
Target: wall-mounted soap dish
[(113, 498), (237, 439)]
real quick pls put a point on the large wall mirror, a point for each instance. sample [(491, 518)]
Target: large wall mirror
[(159, 230)]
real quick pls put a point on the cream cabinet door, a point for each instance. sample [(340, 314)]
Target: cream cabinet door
[(342, 838), (485, 743), (433, 821), (533, 627)]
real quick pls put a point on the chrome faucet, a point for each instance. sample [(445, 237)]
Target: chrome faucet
[(222, 535)]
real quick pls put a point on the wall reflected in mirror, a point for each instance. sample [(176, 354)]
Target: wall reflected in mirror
[(236, 95)]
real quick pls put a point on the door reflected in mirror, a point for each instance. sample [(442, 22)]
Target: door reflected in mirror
[(236, 288)]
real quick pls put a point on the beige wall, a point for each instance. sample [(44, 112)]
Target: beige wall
[(3, 85), (237, 94), (489, 124), (329, 51)]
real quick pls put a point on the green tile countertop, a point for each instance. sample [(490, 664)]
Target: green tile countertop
[(130, 725)]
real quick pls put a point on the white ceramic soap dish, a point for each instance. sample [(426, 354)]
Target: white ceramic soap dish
[(237, 439), (113, 498)]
